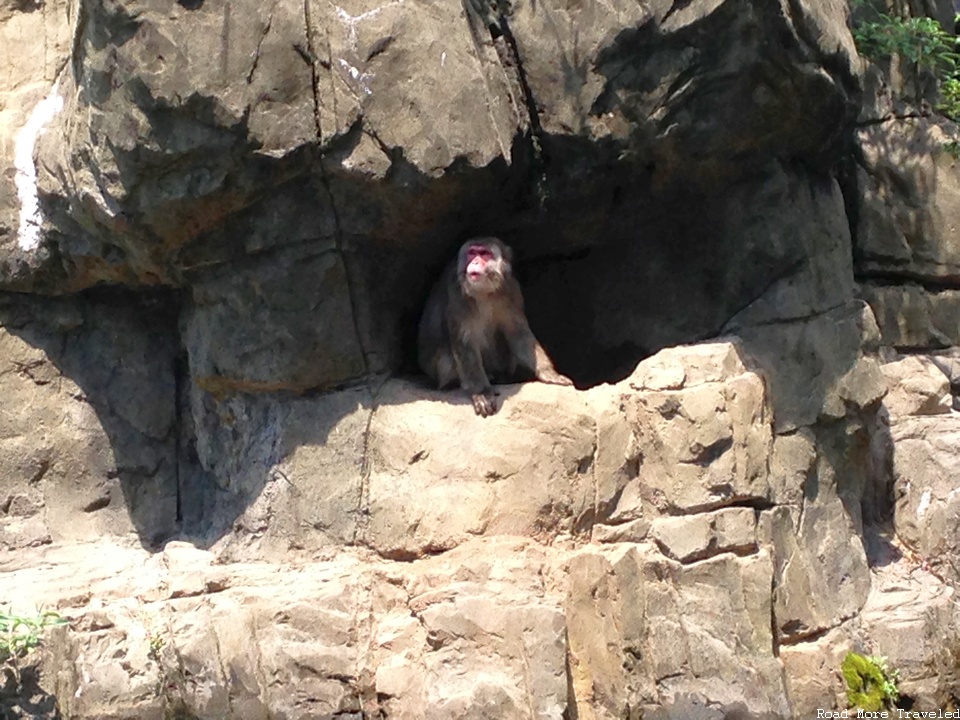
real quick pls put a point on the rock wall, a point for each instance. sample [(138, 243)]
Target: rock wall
[(217, 226)]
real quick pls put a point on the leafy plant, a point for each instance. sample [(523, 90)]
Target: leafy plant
[(952, 148), (950, 97), (871, 684), (156, 646), (21, 634), (920, 40)]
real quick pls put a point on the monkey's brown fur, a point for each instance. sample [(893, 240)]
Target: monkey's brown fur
[(474, 327)]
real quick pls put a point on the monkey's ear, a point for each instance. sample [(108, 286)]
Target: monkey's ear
[(507, 252)]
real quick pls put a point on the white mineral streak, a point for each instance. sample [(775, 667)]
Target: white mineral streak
[(924, 504), (351, 21), (28, 234)]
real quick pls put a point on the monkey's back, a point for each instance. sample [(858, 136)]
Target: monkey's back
[(434, 355)]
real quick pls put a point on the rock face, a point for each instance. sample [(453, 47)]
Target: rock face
[(300, 185), (902, 191), (89, 420), (217, 227), (575, 565)]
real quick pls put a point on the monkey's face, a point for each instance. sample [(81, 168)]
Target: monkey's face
[(482, 268)]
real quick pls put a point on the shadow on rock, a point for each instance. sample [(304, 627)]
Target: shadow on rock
[(91, 419), (27, 701)]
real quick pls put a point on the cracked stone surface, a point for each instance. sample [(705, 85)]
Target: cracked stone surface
[(530, 569), (347, 148), (910, 231), (921, 454), (88, 421), (218, 224), (904, 189)]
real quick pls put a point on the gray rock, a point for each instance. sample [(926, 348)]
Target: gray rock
[(821, 575), (792, 466), (912, 318), (816, 367), (907, 213), (174, 164), (268, 329)]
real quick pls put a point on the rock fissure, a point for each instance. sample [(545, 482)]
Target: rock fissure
[(793, 320), (362, 514), (685, 158), (365, 682), (256, 52), (180, 389), (222, 669), (791, 637), (891, 119), (894, 278), (325, 181), (497, 27)]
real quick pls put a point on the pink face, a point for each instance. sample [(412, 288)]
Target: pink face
[(478, 257)]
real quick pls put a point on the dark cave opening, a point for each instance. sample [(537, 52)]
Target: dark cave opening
[(613, 275)]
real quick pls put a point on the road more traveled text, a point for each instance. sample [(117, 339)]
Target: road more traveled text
[(895, 714)]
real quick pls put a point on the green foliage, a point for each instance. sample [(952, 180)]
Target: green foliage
[(950, 97), (156, 646), (21, 634), (952, 148), (871, 684), (920, 40)]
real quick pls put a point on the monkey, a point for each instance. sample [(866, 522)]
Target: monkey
[(474, 327)]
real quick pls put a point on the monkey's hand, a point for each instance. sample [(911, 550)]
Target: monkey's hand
[(552, 377), (485, 403)]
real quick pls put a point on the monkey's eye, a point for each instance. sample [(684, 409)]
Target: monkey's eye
[(479, 251)]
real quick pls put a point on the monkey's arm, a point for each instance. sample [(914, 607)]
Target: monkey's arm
[(473, 377), (530, 353), (544, 369)]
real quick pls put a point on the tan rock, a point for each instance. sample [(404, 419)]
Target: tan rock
[(695, 537), (526, 471), (909, 618), (927, 516), (86, 426), (812, 670), (688, 365), (916, 386), (704, 446)]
